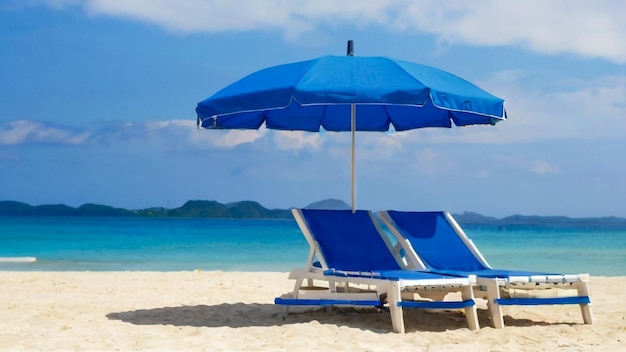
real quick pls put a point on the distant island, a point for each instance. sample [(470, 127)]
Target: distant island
[(191, 209), (254, 210)]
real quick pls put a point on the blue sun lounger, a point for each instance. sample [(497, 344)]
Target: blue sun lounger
[(350, 263), (435, 242)]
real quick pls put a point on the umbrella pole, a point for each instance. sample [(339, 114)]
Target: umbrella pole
[(353, 131), (350, 52)]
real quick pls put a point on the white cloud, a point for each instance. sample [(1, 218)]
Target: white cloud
[(221, 139), (534, 166), (296, 140), (382, 146), (205, 16), (170, 134), (23, 131), (586, 28), (282, 140), (235, 137), (176, 134)]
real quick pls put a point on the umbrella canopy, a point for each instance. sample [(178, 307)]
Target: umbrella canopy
[(349, 93)]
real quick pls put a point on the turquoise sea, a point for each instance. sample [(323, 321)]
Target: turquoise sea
[(174, 244)]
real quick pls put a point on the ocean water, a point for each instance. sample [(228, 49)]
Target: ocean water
[(173, 244)]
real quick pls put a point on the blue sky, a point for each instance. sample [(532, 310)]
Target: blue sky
[(97, 103)]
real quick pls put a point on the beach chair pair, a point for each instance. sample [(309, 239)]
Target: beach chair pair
[(432, 257), (351, 262)]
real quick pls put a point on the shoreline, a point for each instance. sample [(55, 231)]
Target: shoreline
[(221, 310)]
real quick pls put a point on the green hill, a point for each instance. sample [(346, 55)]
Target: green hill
[(191, 209), (254, 210)]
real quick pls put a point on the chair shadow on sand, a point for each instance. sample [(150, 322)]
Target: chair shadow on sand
[(238, 315)]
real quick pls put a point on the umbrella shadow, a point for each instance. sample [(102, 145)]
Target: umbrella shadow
[(237, 315)]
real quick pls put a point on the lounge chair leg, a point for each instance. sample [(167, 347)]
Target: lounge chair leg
[(332, 287), (583, 290), (470, 312), (294, 294), (397, 318), (285, 312), (493, 293)]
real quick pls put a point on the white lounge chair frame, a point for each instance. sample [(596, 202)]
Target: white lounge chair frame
[(497, 291), (323, 286)]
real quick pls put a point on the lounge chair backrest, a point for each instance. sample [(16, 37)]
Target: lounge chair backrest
[(436, 241), (349, 241)]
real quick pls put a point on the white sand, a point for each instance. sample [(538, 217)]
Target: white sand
[(196, 311)]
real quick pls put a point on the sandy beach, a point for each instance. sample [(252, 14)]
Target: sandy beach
[(234, 311)]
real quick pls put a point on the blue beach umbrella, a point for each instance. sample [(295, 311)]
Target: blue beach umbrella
[(349, 93)]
